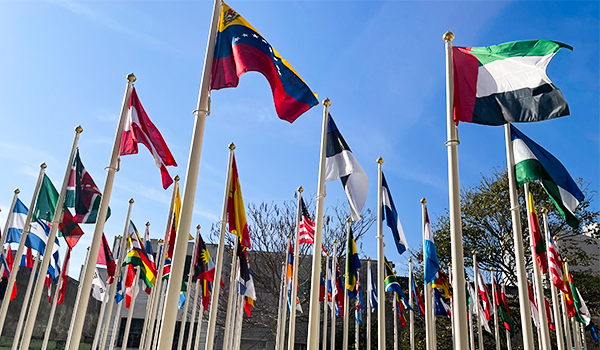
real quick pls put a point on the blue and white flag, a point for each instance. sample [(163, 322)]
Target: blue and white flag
[(341, 164), (38, 233), (372, 290), (17, 222), (181, 299), (431, 262), (391, 217)]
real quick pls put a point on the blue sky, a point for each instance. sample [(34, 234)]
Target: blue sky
[(64, 63)]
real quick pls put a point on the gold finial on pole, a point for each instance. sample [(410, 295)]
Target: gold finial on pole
[(17, 191), (131, 201), (300, 189), (176, 178), (492, 268), (43, 166), (543, 210), (198, 227), (368, 259), (474, 252), (147, 223), (78, 129), (231, 146), (348, 219), (423, 200), (131, 77), (555, 238), (409, 259), (448, 36), (335, 241), (160, 240), (379, 160), (327, 102)]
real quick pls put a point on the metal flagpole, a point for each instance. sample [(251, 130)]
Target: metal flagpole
[(79, 289), (25, 306), (188, 299), (285, 298), (433, 320), (427, 291), (6, 226), (459, 299), (471, 336), (380, 261), (333, 301), (115, 329), (325, 303), (135, 291), (477, 308), (199, 327), (189, 193), (582, 330), (518, 245), (159, 317), (188, 344), (312, 341), (281, 306), (294, 291), (410, 302), (576, 338), (214, 302), (565, 319), (356, 330), (156, 297), (80, 309), (17, 261), (238, 324), (151, 299), (228, 333), (553, 289), (369, 305), (345, 290), (508, 340), (496, 330), (395, 313), (537, 281)]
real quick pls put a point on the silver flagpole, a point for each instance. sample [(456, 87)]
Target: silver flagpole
[(576, 337), (395, 313), (518, 245), (433, 320), (7, 225), (78, 297), (333, 301), (566, 326), (159, 317), (553, 289), (312, 341), (494, 301), (294, 291), (411, 303), (369, 305), (508, 340), (214, 302), (325, 304), (156, 297), (238, 324), (199, 327), (285, 298), (459, 299), (477, 308), (427, 291), (80, 309), (471, 335), (537, 281), (115, 328), (189, 193), (17, 260), (231, 302), (380, 261), (189, 299), (356, 330), (188, 345), (345, 290), (281, 305), (26, 304), (150, 303), (135, 291)]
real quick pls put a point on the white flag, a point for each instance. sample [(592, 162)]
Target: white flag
[(98, 287)]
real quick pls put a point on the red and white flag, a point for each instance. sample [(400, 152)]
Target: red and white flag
[(555, 266), (139, 128), (487, 305), (533, 307), (306, 228), (64, 276)]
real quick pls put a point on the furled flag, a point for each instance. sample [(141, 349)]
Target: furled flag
[(181, 299), (555, 266), (204, 267), (64, 277), (83, 194), (400, 311), (167, 269), (532, 163), (27, 258), (136, 256), (418, 298), (240, 48), (338, 287), (341, 164), (139, 129), (306, 228), (392, 284), (245, 281), (236, 214), (533, 308), (8, 264), (550, 316), (174, 223), (593, 332), (372, 290), (105, 258), (539, 244), (321, 288), (485, 297), (330, 287), (352, 266), (206, 290), (568, 296), (441, 282), (506, 83), (502, 304), (431, 263), (98, 287), (290, 276), (441, 308), (391, 216), (150, 254), (359, 304), (119, 292)]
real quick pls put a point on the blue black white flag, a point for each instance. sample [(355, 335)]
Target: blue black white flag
[(391, 217)]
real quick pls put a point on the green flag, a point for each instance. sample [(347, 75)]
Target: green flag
[(46, 201)]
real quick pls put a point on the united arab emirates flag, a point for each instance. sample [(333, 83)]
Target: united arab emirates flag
[(532, 163), (506, 83)]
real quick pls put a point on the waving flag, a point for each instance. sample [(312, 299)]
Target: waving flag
[(64, 277), (352, 267), (400, 311), (321, 288), (105, 258), (136, 256), (372, 290), (485, 298), (532, 163), (441, 282), (17, 222), (392, 284), (431, 262), (240, 48), (236, 214), (502, 304), (27, 258), (46, 201), (69, 229), (174, 223), (204, 267), (506, 83), (555, 267), (536, 233), (306, 228), (139, 129), (392, 219), (441, 308), (98, 287), (418, 298), (8, 263)]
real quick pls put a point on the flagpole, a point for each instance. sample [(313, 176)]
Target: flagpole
[(6, 227), (188, 345), (476, 287), (459, 294), (135, 289), (294, 291), (159, 317), (115, 329), (240, 319), (496, 330), (380, 261), (79, 289), (333, 301), (281, 305), (228, 334), (576, 338), (537, 279), (187, 302), (26, 304), (280, 345), (325, 299), (312, 341), (55, 304), (151, 299), (345, 289), (471, 336), (214, 302), (427, 289), (410, 302), (553, 289), (356, 329), (199, 327), (369, 306), (395, 313)]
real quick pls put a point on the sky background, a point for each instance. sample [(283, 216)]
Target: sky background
[(382, 64)]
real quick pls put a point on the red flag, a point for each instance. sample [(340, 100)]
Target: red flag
[(106, 258), (555, 267), (70, 229), (550, 316), (27, 259), (64, 276), (236, 214), (139, 128), (49, 285), (538, 243), (7, 269)]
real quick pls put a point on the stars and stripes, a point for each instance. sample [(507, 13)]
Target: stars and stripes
[(555, 266)]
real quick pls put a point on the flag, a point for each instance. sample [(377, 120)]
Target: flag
[(167, 269), (64, 277), (392, 284), (174, 223), (549, 315), (139, 129), (306, 228), (441, 282), (330, 287), (533, 308), (105, 258), (506, 83), (245, 281), (485, 298), (46, 201), (555, 266), (240, 48), (204, 267), (568, 296), (441, 308), (418, 298), (352, 266), (38, 231), (321, 288), (137, 257), (8, 263), (181, 299), (583, 312), (341, 164), (400, 311), (372, 290), (339, 294), (593, 332), (236, 214), (83, 194), (27, 259), (69, 229), (359, 304), (48, 283), (538, 242), (17, 222), (431, 263), (98, 287), (532, 163), (392, 218), (150, 254), (502, 304), (206, 289)]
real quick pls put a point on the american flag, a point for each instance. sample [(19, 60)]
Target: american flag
[(555, 266), (306, 228)]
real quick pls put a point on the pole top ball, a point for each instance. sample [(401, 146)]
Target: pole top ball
[(448, 36), (348, 219), (131, 78), (198, 227), (78, 129), (17, 191), (231, 146), (423, 200), (543, 210), (131, 200), (300, 189), (147, 223), (176, 178), (327, 102), (43, 166), (379, 160)]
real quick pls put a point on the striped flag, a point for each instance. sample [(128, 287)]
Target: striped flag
[(485, 298), (431, 262), (236, 214), (306, 228), (418, 298), (136, 256), (555, 266), (533, 308), (372, 289), (392, 218)]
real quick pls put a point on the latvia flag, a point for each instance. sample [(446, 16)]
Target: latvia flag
[(506, 83)]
